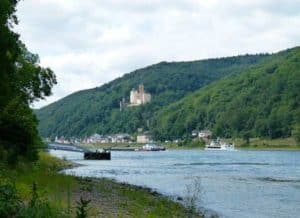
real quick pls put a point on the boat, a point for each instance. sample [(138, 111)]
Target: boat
[(217, 145), (97, 155), (152, 147)]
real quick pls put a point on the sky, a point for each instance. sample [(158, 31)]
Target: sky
[(91, 42)]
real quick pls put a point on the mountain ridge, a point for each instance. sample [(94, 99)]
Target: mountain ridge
[(97, 109), (263, 101)]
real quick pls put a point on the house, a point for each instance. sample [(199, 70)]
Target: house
[(143, 138), (122, 138), (61, 140), (195, 133), (96, 138), (205, 134)]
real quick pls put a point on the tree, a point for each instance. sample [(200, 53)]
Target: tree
[(296, 132), (22, 82)]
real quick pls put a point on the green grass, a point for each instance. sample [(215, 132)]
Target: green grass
[(168, 145), (267, 144), (112, 145), (255, 144), (108, 197), (132, 201), (50, 184)]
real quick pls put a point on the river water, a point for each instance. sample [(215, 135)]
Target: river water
[(233, 184)]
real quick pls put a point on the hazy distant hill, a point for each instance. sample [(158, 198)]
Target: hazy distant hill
[(263, 100), (97, 110)]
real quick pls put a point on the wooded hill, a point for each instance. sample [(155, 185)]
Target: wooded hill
[(264, 100), (97, 110)]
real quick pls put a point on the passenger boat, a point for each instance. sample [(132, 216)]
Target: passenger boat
[(152, 147), (217, 145)]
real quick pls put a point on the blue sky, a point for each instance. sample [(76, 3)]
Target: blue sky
[(88, 43)]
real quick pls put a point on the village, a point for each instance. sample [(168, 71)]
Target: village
[(124, 138), (137, 98)]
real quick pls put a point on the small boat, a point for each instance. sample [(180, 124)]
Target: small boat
[(217, 145), (152, 147)]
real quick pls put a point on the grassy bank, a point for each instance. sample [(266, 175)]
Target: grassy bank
[(267, 144), (169, 145), (254, 144), (60, 193)]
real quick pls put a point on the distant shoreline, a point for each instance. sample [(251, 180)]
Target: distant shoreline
[(261, 145)]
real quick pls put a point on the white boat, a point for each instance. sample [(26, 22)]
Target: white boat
[(216, 145), (152, 147)]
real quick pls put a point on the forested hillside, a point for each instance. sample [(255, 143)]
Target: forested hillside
[(262, 101), (97, 110)]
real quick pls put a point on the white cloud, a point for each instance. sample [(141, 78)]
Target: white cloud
[(88, 43)]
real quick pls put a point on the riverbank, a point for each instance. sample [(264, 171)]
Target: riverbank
[(254, 144), (267, 144), (105, 197), (222, 178)]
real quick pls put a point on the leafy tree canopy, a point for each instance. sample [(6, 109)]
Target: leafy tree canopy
[(22, 82)]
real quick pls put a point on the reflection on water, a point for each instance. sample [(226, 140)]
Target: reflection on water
[(235, 184)]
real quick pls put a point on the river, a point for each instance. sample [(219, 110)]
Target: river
[(233, 184)]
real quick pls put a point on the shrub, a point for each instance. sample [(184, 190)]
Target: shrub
[(11, 205), (10, 202), (193, 196), (82, 208), (296, 132)]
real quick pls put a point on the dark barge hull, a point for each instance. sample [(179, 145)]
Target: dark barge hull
[(97, 156), (121, 149)]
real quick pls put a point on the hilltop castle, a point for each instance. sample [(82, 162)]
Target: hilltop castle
[(137, 97)]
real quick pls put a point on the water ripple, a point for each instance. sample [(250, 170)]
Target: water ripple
[(273, 179), (221, 163)]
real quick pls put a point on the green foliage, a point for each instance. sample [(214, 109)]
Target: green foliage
[(35, 196), (296, 132), (82, 208), (22, 82), (11, 204), (25, 190), (39, 207), (255, 103), (10, 201), (19, 136), (192, 143), (97, 110)]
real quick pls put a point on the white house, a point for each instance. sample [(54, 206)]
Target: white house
[(143, 138), (205, 134)]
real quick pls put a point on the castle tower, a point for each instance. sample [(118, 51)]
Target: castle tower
[(141, 89), (122, 104), (133, 96)]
